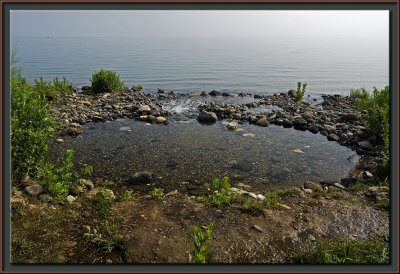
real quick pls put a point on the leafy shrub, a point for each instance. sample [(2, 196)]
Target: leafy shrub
[(201, 252), (106, 81), (360, 93), (301, 90), (344, 251), (59, 179), (52, 90), (31, 126), (377, 106)]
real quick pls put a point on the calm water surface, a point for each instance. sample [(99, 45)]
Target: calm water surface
[(259, 65)]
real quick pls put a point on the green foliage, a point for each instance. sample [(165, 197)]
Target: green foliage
[(52, 90), (201, 252), (125, 195), (102, 202), (31, 126), (377, 118), (359, 93), (17, 211), (222, 196), (24, 248), (58, 179), (106, 81), (157, 193), (301, 90), (105, 237), (344, 251), (383, 204), (137, 87)]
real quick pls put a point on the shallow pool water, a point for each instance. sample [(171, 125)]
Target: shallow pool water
[(264, 157)]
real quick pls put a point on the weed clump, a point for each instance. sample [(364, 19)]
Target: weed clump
[(343, 251), (106, 81)]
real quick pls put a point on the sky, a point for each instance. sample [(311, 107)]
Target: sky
[(192, 23)]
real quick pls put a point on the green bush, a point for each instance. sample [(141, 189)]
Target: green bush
[(377, 106), (358, 93), (31, 126), (59, 179), (102, 202), (106, 81), (301, 90), (201, 252), (52, 90)]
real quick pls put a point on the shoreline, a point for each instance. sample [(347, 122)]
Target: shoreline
[(335, 117)]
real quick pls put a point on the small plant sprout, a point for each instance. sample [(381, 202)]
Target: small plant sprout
[(301, 90), (157, 193), (201, 252)]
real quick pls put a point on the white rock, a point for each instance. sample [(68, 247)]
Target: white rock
[(60, 141), (125, 128), (309, 191), (298, 151), (70, 199), (249, 135), (260, 197)]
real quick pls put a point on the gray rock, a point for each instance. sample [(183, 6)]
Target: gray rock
[(287, 123), (365, 145), (214, 93), (243, 166), (203, 93), (333, 137), (207, 117), (299, 123), (263, 122), (34, 190), (311, 185), (140, 178)]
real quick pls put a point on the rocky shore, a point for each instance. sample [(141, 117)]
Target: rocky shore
[(335, 117)]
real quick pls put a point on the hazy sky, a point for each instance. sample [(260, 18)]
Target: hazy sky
[(155, 23)]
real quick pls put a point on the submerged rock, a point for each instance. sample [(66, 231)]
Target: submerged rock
[(232, 126), (141, 178), (207, 117)]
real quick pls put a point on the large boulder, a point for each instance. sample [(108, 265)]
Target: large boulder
[(207, 117)]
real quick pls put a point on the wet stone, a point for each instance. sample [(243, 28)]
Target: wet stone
[(243, 166), (141, 178)]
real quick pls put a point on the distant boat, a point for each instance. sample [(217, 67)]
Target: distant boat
[(47, 37)]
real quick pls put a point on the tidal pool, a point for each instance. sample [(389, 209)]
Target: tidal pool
[(263, 157)]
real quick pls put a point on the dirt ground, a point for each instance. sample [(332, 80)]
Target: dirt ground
[(161, 230)]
